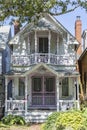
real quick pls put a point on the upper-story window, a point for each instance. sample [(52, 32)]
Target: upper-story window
[(43, 45)]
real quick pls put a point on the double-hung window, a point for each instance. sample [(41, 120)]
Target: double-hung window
[(65, 87)]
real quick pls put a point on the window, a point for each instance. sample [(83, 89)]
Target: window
[(21, 87), (43, 45), (65, 87), (36, 82), (11, 46), (9, 90), (49, 84)]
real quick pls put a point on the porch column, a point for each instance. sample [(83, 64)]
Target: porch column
[(49, 39), (57, 43), (6, 83), (28, 44), (57, 88), (26, 79), (77, 92), (35, 46), (78, 105), (67, 37)]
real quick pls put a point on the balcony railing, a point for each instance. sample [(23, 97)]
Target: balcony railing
[(19, 60)]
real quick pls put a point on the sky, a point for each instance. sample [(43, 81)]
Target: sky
[(68, 20)]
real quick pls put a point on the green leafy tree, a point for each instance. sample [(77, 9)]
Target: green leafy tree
[(25, 9)]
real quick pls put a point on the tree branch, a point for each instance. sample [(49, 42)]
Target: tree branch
[(70, 10)]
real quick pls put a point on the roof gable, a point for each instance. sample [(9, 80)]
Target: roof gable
[(41, 67), (46, 22)]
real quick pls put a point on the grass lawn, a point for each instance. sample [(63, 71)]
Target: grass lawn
[(16, 127)]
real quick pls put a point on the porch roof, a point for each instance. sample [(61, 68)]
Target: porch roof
[(43, 67)]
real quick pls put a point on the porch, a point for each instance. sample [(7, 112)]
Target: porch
[(40, 89), (39, 115)]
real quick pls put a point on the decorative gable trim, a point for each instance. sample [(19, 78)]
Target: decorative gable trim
[(44, 66)]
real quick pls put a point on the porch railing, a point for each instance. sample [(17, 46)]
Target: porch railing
[(18, 60), (68, 104), (18, 105)]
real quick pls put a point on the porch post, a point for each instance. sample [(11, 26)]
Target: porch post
[(49, 39), (57, 43), (6, 83), (26, 94), (57, 88), (67, 37), (78, 105), (28, 44), (35, 46)]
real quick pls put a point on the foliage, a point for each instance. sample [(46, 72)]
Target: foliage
[(50, 123), (83, 103), (3, 125), (25, 9), (10, 120), (84, 112), (73, 120), (69, 120)]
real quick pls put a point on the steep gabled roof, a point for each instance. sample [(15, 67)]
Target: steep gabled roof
[(46, 22)]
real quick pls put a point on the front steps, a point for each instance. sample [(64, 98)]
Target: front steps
[(33, 116), (36, 116)]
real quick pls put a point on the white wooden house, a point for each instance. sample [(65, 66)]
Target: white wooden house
[(43, 76)]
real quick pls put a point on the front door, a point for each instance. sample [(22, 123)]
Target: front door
[(43, 91)]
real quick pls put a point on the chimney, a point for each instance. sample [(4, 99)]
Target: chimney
[(16, 26), (78, 33)]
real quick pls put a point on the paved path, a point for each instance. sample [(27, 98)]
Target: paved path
[(35, 127)]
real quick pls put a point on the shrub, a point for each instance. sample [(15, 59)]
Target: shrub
[(50, 123), (10, 120), (6, 120), (3, 125), (72, 120)]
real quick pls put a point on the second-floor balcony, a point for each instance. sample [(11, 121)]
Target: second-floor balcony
[(48, 58)]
